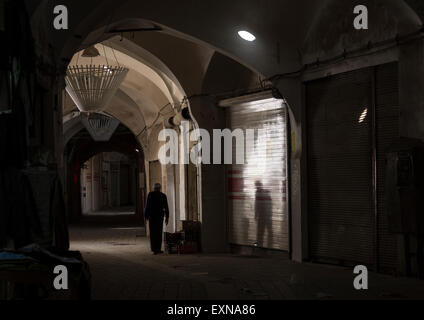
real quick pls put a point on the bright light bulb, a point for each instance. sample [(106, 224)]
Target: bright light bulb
[(246, 36)]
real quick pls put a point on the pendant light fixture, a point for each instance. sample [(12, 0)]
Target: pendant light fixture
[(100, 126), (92, 87)]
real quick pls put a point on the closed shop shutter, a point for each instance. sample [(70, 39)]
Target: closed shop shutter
[(342, 222), (340, 202), (257, 190), (387, 116)]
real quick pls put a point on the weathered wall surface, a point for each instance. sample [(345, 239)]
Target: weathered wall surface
[(332, 32), (411, 95)]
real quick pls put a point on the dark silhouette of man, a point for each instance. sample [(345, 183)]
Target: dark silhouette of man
[(263, 215), (156, 210)]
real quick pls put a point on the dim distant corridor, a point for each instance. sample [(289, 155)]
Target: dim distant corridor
[(122, 267), (119, 211)]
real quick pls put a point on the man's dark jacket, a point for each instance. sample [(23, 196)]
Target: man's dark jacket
[(156, 207)]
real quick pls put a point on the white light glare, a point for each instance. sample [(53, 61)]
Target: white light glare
[(107, 69), (363, 115), (247, 36)]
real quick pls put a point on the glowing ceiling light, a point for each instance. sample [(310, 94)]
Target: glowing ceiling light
[(246, 36)]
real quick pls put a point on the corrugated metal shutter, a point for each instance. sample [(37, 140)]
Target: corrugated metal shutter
[(258, 205), (387, 116), (339, 111), (340, 202)]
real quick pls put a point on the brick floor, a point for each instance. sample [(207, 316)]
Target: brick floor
[(123, 268)]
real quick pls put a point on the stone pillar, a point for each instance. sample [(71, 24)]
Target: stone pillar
[(141, 188), (89, 186), (96, 185), (213, 193), (170, 187)]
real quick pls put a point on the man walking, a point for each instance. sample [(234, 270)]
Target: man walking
[(156, 210)]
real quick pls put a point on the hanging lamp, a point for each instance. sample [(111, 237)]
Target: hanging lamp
[(92, 87), (100, 126)]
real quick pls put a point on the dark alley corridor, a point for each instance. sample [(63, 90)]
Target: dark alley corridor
[(250, 152)]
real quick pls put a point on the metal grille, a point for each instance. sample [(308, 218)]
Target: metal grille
[(257, 190), (339, 168)]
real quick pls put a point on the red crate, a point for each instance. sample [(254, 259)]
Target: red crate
[(188, 248)]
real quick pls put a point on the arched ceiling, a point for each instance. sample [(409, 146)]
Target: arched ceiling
[(146, 92), (281, 26), (136, 51), (187, 60), (81, 147), (162, 73), (143, 78), (186, 57)]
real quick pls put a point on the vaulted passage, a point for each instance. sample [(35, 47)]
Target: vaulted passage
[(211, 149)]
